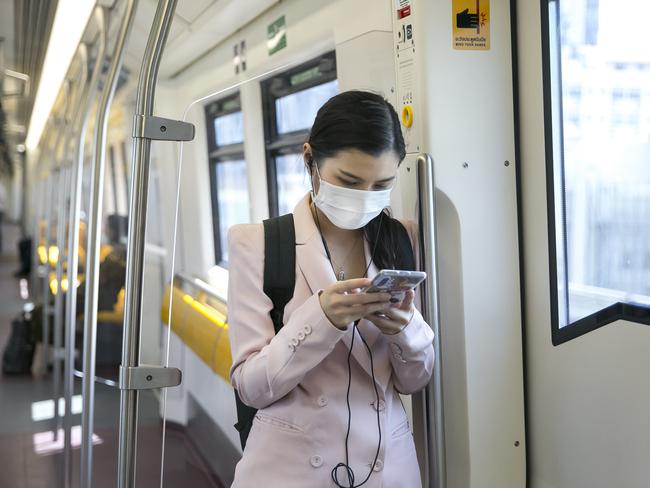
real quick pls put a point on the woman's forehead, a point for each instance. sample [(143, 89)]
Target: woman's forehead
[(362, 165)]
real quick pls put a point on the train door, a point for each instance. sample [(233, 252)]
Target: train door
[(584, 82)]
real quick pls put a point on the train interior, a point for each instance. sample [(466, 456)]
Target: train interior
[(135, 133)]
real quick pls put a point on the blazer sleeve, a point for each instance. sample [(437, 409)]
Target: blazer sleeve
[(411, 349), (267, 366)]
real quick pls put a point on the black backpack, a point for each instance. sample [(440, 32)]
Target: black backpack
[(279, 283)]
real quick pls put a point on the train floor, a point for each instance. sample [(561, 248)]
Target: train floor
[(31, 456)]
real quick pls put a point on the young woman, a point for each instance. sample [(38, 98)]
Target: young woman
[(303, 379)]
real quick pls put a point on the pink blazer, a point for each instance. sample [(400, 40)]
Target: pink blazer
[(298, 378)]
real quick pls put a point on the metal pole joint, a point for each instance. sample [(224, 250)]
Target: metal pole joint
[(161, 129), (148, 377)]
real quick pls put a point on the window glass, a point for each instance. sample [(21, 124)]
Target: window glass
[(297, 111), (229, 129), (233, 203), (293, 181), (601, 162)]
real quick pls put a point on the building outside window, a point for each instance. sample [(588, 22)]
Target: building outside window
[(597, 89), (291, 101)]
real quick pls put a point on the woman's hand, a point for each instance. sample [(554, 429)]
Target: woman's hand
[(343, 302), (393, 319)]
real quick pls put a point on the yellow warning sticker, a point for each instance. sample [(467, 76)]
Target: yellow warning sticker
[(471, 24)]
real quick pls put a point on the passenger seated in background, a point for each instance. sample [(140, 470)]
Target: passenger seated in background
[(319, 421), (112, 269), (112, 275)]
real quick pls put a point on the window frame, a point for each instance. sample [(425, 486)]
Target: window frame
[(631, 312), (276, 144), (220, 155)]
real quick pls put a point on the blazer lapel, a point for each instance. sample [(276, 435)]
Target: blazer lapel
[(312, 260)]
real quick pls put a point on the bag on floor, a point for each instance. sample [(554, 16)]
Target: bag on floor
[(19, 351)]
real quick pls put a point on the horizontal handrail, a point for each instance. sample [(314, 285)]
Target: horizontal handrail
[(201, 285)]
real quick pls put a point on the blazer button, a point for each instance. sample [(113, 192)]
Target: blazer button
[(300, 335), (292, 347), (382, 405), (322, 401), (294, 342), (379, 465), (307, 329), (316, 461)]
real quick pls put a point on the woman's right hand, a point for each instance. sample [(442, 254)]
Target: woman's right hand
[(343, 302)]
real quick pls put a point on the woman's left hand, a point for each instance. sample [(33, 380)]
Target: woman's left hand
[(394, 319)]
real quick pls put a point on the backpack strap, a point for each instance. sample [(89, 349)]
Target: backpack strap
[(405, 255), (279, 282), (279, 265)]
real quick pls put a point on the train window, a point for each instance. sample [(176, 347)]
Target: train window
[(291, 100), (228, 178), (597, 124)]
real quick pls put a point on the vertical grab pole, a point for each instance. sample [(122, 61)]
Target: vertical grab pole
[(433, 396), (52, 181), (142, 133), (80, 127), (64, 189), (93, 244), (60, 243)]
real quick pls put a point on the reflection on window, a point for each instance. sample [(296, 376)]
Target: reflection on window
[(297, 111), (229, 129), (228, 179), (601, 156), (233, 202), (293, 181)]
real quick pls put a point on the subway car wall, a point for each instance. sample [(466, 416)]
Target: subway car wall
[(538, 286)]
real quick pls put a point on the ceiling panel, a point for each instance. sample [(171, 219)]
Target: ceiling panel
[(191, 10)]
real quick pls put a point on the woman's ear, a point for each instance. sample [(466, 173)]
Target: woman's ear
[(307, 156)]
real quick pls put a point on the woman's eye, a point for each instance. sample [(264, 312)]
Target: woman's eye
[(380, 187), (349, 183)]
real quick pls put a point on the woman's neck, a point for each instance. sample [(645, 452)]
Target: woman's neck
[(330, 231)]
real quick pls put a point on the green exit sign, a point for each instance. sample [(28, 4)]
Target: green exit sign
[(276, 35)]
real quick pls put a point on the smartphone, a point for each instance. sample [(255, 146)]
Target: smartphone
[(396, 282)]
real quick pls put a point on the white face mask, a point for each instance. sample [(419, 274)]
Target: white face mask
[(348, 208)]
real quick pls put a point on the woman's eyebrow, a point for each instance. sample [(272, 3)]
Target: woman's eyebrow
[(386, 180), (349, 175)]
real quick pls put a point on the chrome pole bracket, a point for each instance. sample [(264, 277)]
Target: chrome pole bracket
[(161, 129), (148, 377)]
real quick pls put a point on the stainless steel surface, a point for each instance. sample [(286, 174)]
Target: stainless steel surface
[(135, 250), (148, 377), (433, 393), (159, 128), (101, 381), (93, 243), (80, 128), (54, 183), (201, 285), (59, 208), (75, 93)]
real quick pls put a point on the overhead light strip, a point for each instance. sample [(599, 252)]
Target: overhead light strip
[(69, 24)]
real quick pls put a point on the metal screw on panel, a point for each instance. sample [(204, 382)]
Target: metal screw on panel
[(516, 443), (507, 163), (163, 128), (149, 377), (465, 165)]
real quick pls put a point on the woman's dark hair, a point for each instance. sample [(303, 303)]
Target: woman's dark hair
[(366, 122)]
